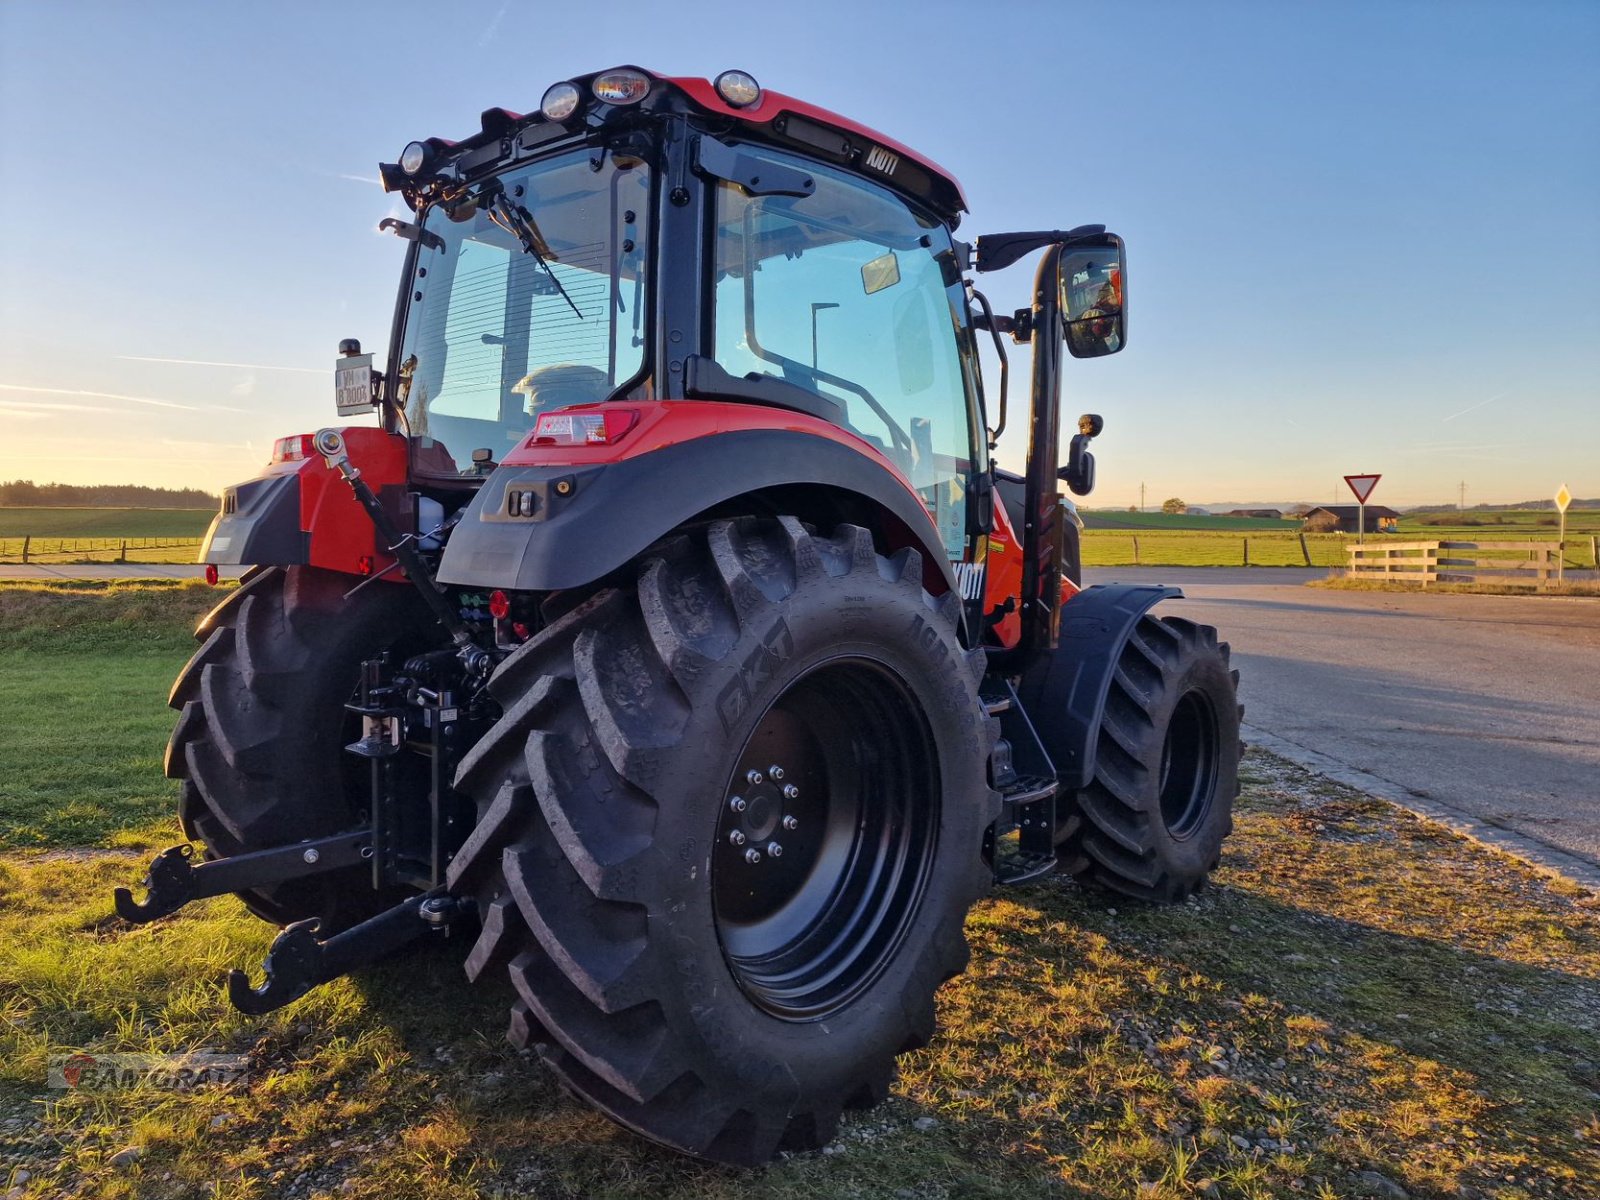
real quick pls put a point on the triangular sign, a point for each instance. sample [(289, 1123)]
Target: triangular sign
[(1362, 485)]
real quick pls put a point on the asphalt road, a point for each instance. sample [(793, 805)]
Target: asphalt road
[(1485, 705)]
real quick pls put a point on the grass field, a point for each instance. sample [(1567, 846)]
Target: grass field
[(1110, 539), (72, 535), (1170, 522), (1362, 1001), (1201, 548), (104, 522)]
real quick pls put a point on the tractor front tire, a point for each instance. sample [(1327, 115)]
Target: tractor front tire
[(259, 743), (729, 829), (1152, 821)]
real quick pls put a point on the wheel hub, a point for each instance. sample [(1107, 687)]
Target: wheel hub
[(1189, 757), (824, 838)]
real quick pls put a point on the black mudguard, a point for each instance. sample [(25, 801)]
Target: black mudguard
[(589, 520), (1064, 694), (259, 523)]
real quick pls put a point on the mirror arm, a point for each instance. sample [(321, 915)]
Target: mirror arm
[(993, 326), (999, 250)]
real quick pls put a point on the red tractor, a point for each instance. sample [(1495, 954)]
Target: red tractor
[(671, 634)]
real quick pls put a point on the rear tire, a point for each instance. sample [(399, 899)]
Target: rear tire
[(729, 1008), (1152, 821), (259, 744)]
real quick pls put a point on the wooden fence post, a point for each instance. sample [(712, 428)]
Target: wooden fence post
[(25, 542), (122, 552), (1246, 542), (1136, 551), (1304, 550)]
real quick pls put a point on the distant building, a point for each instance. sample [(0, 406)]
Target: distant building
[(1344, 518), (1271, 514)]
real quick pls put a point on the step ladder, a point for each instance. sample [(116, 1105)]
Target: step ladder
[(1021, 843)]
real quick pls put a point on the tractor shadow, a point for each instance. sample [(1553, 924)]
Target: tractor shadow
[(1066, 984)]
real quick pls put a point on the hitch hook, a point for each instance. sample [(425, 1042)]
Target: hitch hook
[(298, 961), (169, 885)]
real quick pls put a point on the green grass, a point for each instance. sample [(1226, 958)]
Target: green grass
[(1581, 522), (1359, 992), (1197, 548), (84, 674), (104, 522), (1157, 521)]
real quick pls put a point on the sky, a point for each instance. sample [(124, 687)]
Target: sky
[(1362, 237)]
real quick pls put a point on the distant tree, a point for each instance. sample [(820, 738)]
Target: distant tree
[(1174, 505), (1133, 508), (24, 493)]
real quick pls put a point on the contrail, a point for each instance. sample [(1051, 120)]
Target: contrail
[(44, 391), (43, 410), (200, 362), (1475, 407), (488, 34)]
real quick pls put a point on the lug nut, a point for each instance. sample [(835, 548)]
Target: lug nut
[(736, 838), (754, 778), (775, 771), (737, 804), (790, 792), (791, 823), (774, 849), (752, 855), (311, 855)]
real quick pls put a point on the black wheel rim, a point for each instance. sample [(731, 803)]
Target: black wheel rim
[(1189, 765), (852, 809)]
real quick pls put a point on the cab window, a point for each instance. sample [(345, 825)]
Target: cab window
[(851, 295)]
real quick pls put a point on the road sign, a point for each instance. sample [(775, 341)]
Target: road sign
[(1362, 485), (1563, 498)]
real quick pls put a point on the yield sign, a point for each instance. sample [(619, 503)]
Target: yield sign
[(1563, 498), (1362, 485)]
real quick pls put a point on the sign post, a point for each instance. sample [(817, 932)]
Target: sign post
[(1362, 486), (1563, 498)]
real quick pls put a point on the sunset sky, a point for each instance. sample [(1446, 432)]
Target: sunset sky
[(1363, 237)]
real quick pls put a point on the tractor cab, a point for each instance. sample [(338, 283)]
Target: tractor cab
[(642, 241)]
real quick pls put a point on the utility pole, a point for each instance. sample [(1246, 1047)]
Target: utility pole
[(1461, 504), (1141, 497)]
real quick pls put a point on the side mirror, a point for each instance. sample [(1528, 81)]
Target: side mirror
[(1092, 279), (1078, 474)]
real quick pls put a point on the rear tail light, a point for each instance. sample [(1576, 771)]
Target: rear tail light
[(583, 428), (212, 574), (293, 449)]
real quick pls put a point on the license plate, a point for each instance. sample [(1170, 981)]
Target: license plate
[(352, 384)]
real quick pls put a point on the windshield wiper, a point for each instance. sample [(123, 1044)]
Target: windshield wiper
[(519, 222)]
